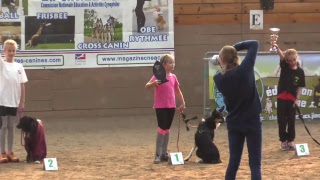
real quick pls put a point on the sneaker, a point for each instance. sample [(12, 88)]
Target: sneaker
[(3, 158), (164, 157), (284, 146), (157, 159), (291, 146), (12, 158)]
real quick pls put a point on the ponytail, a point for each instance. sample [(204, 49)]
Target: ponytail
[(230, 57)]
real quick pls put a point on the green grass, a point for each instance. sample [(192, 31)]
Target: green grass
[(87, 32), (53, 46), (118, 33), (25, 6)]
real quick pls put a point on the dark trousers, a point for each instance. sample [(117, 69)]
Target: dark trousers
[(286, 120), (253, 136), (165, 117), (141, 19)]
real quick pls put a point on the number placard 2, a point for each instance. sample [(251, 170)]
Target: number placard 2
[(176, 158), (50, 164), (302, 149)]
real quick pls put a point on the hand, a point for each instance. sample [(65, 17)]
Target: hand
[(295, 104), (215, 60), (21, 107), (276, 46), (182, 107), (156, 82)]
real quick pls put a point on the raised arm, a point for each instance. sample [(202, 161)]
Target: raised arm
[(252, 46), (279, 52)]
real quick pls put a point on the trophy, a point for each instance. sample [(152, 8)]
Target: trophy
[(274, 37), (159, 72), (215, 60)]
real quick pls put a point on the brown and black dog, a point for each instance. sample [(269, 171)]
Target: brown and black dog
[(207, 151), (33, 41), (97, 31)]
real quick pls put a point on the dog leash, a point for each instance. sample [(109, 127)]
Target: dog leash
[(301, 117), (20, 114), (180, 116), (183, 117), (22, 137)]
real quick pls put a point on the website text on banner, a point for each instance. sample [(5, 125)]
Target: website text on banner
[(56, 34)]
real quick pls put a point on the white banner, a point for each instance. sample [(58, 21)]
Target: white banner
[(88, 33)]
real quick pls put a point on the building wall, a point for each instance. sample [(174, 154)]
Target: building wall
[(200, 26)]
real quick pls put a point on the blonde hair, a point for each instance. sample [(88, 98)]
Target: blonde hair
[(10, 42), (230, 58), (165, 58), (290, 52)]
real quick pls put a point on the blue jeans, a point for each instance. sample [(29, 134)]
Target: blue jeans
[(237, 136)]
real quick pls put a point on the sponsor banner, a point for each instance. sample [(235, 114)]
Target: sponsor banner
[(267, 73), (88, 60), (104, 59), (43, 60), (88, 33)]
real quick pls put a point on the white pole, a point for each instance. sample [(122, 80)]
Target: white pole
[(208, 57)]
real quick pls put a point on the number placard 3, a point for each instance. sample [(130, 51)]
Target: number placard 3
[(176, 158), (50, 164), (302, 149)]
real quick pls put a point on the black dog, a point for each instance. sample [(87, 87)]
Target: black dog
[(34, 138), (206, 149)]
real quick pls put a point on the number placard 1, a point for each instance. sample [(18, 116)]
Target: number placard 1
[(176, 158), (302, 149), (50, 164)]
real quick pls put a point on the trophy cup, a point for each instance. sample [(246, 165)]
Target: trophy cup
[(215, 60), (274, 37), (159, 72)]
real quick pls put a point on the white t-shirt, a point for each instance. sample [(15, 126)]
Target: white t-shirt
[(11, 77)]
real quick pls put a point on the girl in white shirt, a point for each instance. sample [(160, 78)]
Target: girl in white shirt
[(12, 97)]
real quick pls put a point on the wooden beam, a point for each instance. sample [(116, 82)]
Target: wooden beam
[(213, 8), (207, 19), (208, 29), (208, 9), (284, 28), (244, 18), (286, 18), (284, 8)]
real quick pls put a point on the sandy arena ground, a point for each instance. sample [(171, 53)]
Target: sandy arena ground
[(123, 148)]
